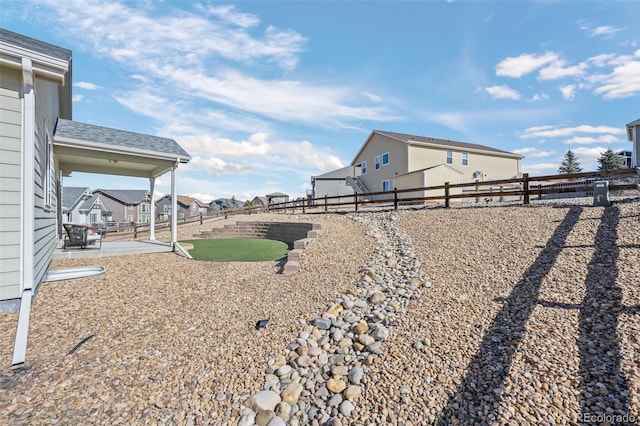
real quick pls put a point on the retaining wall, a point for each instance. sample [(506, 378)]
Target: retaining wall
[(299, 234)]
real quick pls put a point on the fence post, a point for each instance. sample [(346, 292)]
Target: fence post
[(446, 194), (395, 198), (304, 200), (135, 231), (501, 196), (356, 200), (325, 203), (540, 191), (200, 218), (525, 177), (477, 189)]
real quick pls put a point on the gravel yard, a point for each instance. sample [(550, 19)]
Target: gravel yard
[(526, 315)]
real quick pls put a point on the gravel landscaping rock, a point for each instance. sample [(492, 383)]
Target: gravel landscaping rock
[(490, 315)]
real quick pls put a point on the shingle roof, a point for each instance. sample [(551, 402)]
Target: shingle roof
[(185, 200), (34, 45), (125, 196), (634, 123), (71, 195), (446, 143), (118, 138)]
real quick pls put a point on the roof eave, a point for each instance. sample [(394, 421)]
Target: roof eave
[(78, 143)]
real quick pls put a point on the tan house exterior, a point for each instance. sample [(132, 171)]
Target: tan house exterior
[(391, 160)]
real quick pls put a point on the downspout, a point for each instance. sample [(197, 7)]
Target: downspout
[(152, 210), (27, 188)]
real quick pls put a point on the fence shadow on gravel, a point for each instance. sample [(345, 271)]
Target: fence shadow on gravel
[(480, 392), (604, 388)]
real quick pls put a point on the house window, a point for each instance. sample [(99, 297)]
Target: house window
[(194, 207), (364, 167), (449, 157), (144, 208), (130, 206), (377, 162), (166, 207), (465, 158), (385, 158), (385, 185), (94, 218), (130, 218)]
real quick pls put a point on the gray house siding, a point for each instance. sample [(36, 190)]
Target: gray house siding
[(10, 160), (45, 176)]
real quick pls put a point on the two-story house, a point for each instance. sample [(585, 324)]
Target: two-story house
[(389, 160), (126, 205), (187, 207), (79, 205)]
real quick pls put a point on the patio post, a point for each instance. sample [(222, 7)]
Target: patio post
[(152, 210), (174, 208)]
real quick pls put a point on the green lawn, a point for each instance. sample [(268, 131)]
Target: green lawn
[(238, 249)]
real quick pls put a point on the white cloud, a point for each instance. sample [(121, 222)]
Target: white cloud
[(559, 69), (77, 98), (372, 97), (216, 166), (540, 168), (623, 82), (229, 14), (86, 85), (524, 64), (502, 92), (588, 155), (568, 91), (603, 31), (533, 152), (590, 139), (538, 97), (556, 132)]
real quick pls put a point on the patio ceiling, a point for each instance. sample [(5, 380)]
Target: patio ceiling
[(80, 147)]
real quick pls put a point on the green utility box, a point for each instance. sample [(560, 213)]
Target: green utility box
[(601, 193)]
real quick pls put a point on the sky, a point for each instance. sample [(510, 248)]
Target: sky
[(265, 94)]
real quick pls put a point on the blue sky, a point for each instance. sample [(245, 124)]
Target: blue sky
[(264, 95)]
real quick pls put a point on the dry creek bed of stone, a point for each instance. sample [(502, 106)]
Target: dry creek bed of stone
[(497, 315)]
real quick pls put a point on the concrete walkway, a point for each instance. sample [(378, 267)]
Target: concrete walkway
[(113, 248)]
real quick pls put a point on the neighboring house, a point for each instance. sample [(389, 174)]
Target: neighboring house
[(259, 201), (626, 156), (39, 144), (277, 197), (126, 205), (633, 133), (335, 183), (187, 206), (80, 206), (389, 160)]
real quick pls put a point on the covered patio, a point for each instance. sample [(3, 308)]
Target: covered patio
[(114, 248), (81, 147)]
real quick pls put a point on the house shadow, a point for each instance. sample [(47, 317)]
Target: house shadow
[(480, 392), (604, 390)]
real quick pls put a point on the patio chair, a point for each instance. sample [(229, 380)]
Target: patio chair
[(81, 236)]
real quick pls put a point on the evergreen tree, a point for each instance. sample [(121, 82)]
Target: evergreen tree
[(570, 164), (609, 160)]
